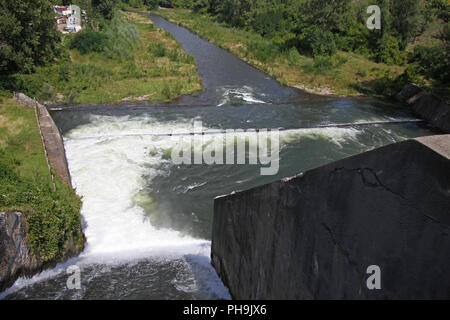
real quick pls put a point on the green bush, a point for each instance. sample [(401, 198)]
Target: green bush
[(293, 56), (263, 50), (412, 74), (356, 38), (389, 51), (64, 73), (118, 39), (157, 49), (151, 4), (317, 41), (122, 38), (174, 55), (431, 62), (388, 85), (166, 91), (34, 85), (88, 41)]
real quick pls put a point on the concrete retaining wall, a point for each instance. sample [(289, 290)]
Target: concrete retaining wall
[(314, 235)]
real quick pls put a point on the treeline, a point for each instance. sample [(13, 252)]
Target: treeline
[(28, 35), (321, 27)]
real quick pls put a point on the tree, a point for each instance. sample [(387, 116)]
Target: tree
[(28, 35), (408, 20), (104, 7), (151, 4)]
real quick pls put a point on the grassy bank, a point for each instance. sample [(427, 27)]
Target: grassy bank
[(133, 61), (345, 74), (52, 217)]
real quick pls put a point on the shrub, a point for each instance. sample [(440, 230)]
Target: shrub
[(293, 56), (174, 55), (64, 73), (431, 62), (122, 38), (88, 41), (412, 74), (31, 85), (317, 41), (151, 4), (157, 49), (263, 50), (361, 73), (389, 51), (388, 85), (166, 92)]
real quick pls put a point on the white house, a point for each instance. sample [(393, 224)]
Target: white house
[(72, 14)]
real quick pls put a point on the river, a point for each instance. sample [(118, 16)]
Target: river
[(148, 220)]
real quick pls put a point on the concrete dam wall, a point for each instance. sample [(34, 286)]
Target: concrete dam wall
[(427, 106), (51, 138), (314, 236)]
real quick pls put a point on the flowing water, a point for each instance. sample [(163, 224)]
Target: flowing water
[(147, 220)]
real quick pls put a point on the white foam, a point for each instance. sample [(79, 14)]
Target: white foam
[(108, 172), (245, 94), (334, 135)]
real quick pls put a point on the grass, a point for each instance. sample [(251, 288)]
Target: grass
[(346, 74), (52, 217), (156, 69)]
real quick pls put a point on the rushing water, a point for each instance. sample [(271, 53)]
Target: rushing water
[(147, 220)]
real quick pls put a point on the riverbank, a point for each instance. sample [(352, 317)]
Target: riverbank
[(155, 68), (47, 221), (346, 74)]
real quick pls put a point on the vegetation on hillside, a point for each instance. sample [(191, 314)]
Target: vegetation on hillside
[(111, 60), (344, 73), (52, 216), (323, 32), (319, 45), (28, 37)]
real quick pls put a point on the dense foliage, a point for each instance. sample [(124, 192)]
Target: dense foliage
[(321, 27), (52, 217), (28, 35), (117, 39)]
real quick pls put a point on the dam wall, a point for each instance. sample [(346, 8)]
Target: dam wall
[(324, 233), (51, 139), (427, 106)]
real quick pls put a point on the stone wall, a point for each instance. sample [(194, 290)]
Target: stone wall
[(314, 235), (16, 258)]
